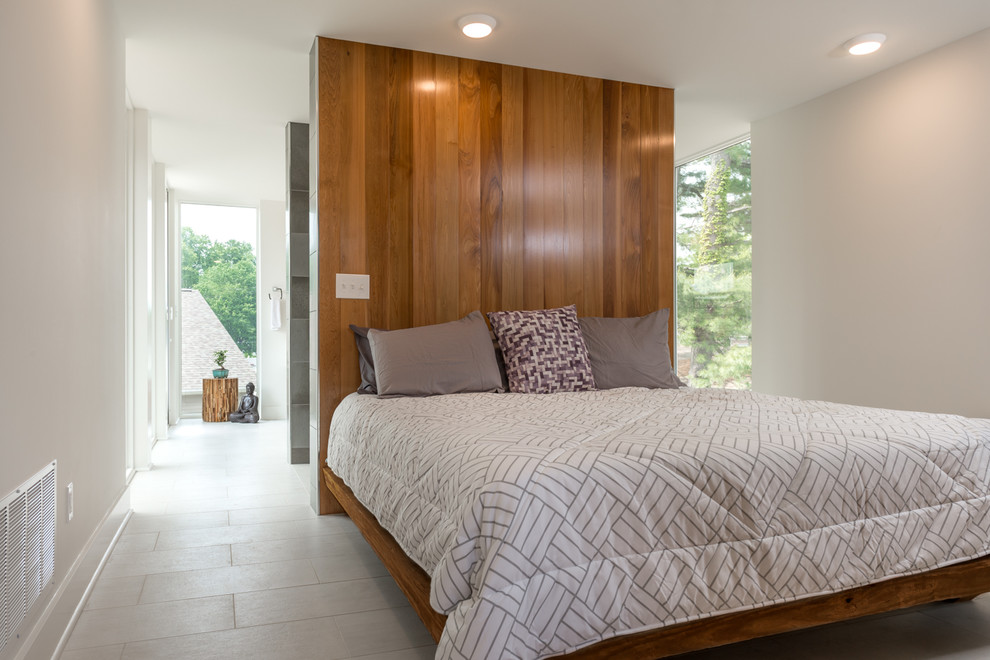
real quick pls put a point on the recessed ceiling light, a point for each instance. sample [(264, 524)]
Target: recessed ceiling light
[(865, 44), (477, 26)]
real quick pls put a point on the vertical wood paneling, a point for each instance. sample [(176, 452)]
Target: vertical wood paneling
[(332, 110), (665, 209), (491, 186), (353, 243), (447, 190), (469, 204), (649, 208), (534, 194), (572, 197), (331, 61), (424, 176), (611, 196), (592, 145), (460, 185), (376, 155), (630, 204), (512, 188), (399, 285), (553, 191)]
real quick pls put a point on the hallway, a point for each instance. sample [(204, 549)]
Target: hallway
[(224, 558)]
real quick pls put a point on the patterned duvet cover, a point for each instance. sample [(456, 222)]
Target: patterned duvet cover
[(549, 522)]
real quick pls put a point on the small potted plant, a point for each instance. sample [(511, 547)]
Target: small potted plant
[(219, 357)]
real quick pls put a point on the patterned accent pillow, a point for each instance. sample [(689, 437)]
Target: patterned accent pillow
[(544, 350)]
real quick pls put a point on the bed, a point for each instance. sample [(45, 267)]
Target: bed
[(650, 522)]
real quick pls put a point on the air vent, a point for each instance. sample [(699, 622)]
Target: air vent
[(27, 548)]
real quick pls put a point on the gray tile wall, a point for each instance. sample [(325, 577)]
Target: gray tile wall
[(297, 286)]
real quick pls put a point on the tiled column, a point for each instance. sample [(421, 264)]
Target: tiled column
[(297, 286)]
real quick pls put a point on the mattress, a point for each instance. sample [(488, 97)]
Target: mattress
[(549, 522)]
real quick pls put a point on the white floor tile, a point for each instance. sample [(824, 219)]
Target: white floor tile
[(130, 543), (360, 563), (314, 639), (972, 615), (166, 561), (124, 624), (272, 514), (300, 548), (418, 653), (273, 531), (112, 652), (183, 493), (115, 592), (378, 631), (315, 601), (141, 522), (906, 636), (290, 484), (244, 502), (302, 471), (227, 580)]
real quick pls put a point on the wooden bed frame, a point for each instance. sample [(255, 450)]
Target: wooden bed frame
[(952, 583)]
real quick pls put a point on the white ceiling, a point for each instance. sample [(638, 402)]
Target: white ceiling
[(221, 78)]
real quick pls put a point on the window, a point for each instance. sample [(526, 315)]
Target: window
[(219, 300), (714, 270)]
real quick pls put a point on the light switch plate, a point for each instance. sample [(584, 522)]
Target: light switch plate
[(353, 286)]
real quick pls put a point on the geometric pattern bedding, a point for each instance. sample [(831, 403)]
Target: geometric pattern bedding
[(549, 522)]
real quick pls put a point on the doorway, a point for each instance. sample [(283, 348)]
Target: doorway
[(219, 302)]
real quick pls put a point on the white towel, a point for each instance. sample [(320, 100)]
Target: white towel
[(276, 313)]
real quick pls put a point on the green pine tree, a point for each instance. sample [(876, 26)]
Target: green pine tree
[(715, 268)]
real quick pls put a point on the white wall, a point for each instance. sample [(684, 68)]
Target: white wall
[(160, 301), (272, 344), (174, 296), (140, 282), (62, 257), (871, 228)]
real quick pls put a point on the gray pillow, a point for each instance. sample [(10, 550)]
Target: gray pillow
[(366, 361), (630, 352), (435, 359)]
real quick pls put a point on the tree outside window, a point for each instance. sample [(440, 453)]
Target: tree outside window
[(225, 273), (715, 270)]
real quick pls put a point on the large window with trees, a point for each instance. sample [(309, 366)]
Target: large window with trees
[(219, 291), (714, 270)]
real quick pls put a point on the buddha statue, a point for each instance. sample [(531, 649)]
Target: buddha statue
[(247, 411)]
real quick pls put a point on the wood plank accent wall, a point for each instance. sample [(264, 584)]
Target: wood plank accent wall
[(461, 185)]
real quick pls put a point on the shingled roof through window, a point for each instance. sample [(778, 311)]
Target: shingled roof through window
[(202, 333)]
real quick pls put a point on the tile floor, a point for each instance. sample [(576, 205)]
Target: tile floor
[(223, 558)]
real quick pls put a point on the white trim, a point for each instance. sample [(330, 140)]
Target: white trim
[(129, 294), (180, 201), (174, 293), (159, 315), (66, 583), (709, 151), (76, 613)]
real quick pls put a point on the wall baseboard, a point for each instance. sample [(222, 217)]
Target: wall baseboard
[(48, 636)]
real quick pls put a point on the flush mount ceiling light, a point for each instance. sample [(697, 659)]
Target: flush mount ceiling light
[(865, 44), (477, 26)]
